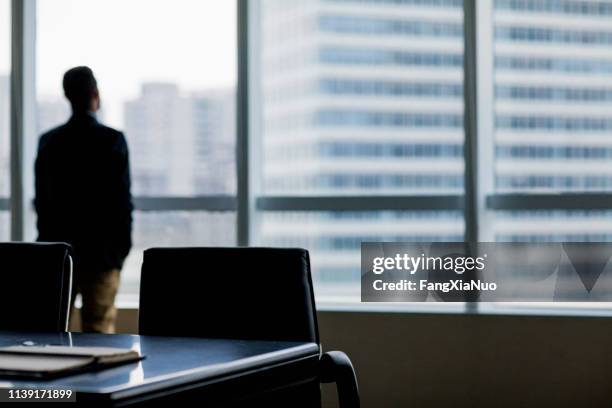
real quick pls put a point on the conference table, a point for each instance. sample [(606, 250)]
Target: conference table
[(213, 372)]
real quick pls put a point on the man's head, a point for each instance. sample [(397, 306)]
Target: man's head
[(81, 89)]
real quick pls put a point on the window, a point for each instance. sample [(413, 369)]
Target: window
[(5, 58), (356, 127), (168, 81), (361, 112)]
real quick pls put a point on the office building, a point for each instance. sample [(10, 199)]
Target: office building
[(182, 145), (371, 94), (551, 116), (363, 99)]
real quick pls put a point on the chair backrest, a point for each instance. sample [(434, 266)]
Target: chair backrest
[(238, 293), (35, 285)]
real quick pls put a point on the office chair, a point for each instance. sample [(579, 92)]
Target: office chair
[(35, 287), (238, 293)]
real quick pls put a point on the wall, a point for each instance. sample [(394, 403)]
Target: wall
[(429, 360), (425, 360)]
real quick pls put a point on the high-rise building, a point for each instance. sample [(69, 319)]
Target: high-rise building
[(214, 128), (370, 94), (551, 113), (181, 145), (361, 98), (364, 97)]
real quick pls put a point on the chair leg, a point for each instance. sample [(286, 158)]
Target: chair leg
[(337, 367)]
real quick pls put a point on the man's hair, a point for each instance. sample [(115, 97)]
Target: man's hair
[(80, 86)]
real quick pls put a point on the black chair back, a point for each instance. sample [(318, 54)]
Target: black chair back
[(35, 286), (239, 293)]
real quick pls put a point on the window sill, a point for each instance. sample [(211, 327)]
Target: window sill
[(130, 302)]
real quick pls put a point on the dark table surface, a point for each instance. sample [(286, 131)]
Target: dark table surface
[(169, 361)]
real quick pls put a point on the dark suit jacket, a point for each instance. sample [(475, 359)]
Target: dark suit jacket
[(83, 192)]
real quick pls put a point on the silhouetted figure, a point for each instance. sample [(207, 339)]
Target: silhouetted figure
[(83, 198)]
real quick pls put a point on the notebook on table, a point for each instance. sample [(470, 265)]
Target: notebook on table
[(42, 362)]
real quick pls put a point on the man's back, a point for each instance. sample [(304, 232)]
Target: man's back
[(83, 198), (83, 191)]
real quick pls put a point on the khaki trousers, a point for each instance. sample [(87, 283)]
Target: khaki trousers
[(98, 291)]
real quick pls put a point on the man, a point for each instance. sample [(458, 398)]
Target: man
[(83, 198)]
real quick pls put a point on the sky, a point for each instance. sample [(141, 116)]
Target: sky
[(128, 42)]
